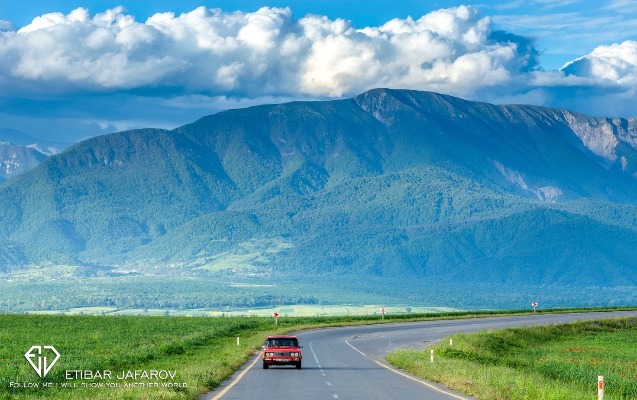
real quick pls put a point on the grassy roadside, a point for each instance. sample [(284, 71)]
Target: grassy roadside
[(545, 362), (201, 351)]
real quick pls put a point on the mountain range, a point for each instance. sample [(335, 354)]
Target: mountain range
[(390, 183), (20, 152)]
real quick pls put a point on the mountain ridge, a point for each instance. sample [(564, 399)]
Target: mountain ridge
[(388, 183), (20, 152)]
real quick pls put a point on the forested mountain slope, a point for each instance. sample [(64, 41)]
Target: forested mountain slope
[(390, 183)]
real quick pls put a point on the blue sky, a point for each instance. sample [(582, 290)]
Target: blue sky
[(77, 68)]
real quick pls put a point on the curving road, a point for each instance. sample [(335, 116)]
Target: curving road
[(348, 363)]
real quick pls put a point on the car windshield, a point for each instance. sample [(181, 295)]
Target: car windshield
[(282, 342)]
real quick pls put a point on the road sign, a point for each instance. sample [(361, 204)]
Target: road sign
[(382, 312), (276, 314), (534, 304)]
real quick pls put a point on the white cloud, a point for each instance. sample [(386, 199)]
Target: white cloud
[(615, 64), (5, 25), (109, 70), (264, 53), (446, 50)]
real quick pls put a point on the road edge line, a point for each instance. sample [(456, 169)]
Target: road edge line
[(236, 380), (422, 382), (350, 345)]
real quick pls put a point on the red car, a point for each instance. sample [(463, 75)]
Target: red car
[(282, 350)]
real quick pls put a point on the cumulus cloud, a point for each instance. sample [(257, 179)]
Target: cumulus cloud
[(601, 83), (264, 53), (615, 64), (107, 70)]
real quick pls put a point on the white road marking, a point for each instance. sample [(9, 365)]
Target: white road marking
[(429, 385), (348, 343), (328, 384), (314, 354), (237, 379), (437, 389), (335, 396)]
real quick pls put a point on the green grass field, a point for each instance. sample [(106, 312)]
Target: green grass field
[(201, 351), (547, 362), (198, 349)]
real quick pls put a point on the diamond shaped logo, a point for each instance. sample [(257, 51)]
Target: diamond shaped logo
[(40, 362)]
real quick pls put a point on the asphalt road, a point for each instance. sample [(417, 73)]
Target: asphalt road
[(348, 363)]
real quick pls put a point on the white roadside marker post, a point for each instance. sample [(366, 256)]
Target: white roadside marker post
[(600, 388), (451, 342), (237, 340), (432, 356)]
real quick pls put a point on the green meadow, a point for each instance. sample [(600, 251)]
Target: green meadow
[(557, 362), (202, 352), (198, 349)]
